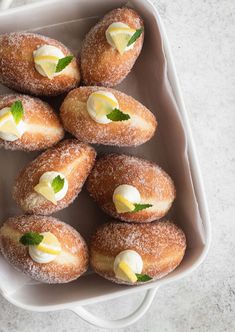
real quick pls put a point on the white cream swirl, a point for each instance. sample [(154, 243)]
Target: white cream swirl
[(21, 127), (51, 51), (99, 104), (49, 177), (129, 192), (131, 258), (39, 256)]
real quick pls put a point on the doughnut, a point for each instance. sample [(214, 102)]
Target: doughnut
[(130, 188), (53, 180), (28, 63), (136, 253), (44, 248), (84, 114), (106, 59), (36, 128)]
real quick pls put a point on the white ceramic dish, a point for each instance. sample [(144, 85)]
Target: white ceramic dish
[(172, 148)]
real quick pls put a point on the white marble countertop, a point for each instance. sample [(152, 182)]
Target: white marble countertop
[(201, 33)]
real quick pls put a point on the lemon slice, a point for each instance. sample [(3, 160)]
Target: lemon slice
[(49, 244), (45, 58), (103, 104), (124, 272), (121, 37), (8, 125), (44, 188), (122, 204)]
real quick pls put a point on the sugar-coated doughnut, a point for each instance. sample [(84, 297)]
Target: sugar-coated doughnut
[(39, 127), (131, 188), (69, 257), (53, 180), (138, 129), (101, 63), (152, 250), (17, 64)]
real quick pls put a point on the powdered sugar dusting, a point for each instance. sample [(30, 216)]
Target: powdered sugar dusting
[(71, 158), (161, 245), (154, 184), (55, 272), (139, 129), (43, 127), (101, 64), (17, 69)]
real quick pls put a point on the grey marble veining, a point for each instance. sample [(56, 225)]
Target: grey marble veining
[(201, 34)]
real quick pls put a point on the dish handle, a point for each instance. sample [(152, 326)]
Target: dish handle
[(121, 322)]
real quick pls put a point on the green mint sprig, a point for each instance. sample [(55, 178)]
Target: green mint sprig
[(140, 207), (143, 277), (31, 239), (117, 115), (17, 111), (135, 36), (64, 62), (57, 184)]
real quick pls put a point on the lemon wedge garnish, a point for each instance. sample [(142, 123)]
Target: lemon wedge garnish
[(124, 272), (49, 244), (8, 125), (103, 104), (122, 204), (121, 37), (48, 64), (44, 188)]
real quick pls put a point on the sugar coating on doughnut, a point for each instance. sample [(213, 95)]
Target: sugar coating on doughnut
[(160, 244), (43, 126), (72, 158), (57, 271), (153, 183), (22, 75), (140, 128), (100, 63)]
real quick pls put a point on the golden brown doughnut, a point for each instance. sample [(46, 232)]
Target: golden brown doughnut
[(71, 158), (101, 64), (67, 266), (17, 68), (161, 246), (42, 126), (154, 185), (135, 131)]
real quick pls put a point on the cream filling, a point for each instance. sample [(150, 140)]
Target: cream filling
[(131, 258), (49, 177), (97, 114), (109, 38), (48, 50), (20, 127), (129, 192)]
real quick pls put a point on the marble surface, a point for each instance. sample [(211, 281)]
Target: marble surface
[(201, 33)]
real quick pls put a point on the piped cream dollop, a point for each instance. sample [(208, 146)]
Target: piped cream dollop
[(47, 250), (9, 130), (44, 186), (118, 34), (46, 58), (124, 198), (100, 104), (126, 264)]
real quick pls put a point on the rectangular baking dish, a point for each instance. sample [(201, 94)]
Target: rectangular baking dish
[(154, 82)]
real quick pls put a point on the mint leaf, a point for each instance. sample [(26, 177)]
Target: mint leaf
[(57, 184), (142, 277), (117, 115), (17, 111), (31, 239), (135, 36), (64, 62), (139, 207)]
